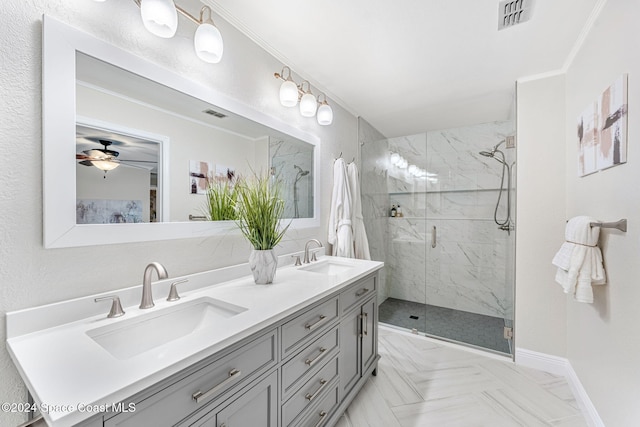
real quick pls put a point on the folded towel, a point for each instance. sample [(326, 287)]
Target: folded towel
[(579, 259)]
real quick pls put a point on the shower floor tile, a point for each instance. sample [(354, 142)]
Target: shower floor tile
[(476, 329)]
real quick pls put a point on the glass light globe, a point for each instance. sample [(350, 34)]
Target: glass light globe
[(105, 165), (325, 114), (394, 158), (208, 43), (160, 17), (288, 94), (308, 105)]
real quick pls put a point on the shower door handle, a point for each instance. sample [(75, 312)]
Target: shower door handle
[(434, 237)]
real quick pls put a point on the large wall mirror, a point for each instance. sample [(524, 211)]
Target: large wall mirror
[(130, 148)]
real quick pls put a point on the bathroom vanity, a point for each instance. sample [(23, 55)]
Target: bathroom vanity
[(228, 353)]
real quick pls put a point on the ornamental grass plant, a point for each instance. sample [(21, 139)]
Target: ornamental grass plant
[(221, 200), (259, 210)]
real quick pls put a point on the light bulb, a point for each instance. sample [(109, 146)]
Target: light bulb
[(208, 43), (288, 93), (308, 105), (325, 114), (394, 158), (160, 17)]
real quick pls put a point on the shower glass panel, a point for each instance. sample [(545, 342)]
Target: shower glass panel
[(449, 265)]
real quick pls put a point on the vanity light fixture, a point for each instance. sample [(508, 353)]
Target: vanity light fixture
[(160, 17), (291, 93)]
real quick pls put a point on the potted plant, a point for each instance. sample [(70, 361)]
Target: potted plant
[(259, 210), (221, 200)]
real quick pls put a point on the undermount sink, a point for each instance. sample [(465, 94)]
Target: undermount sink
[(328, 267), (129, 338)]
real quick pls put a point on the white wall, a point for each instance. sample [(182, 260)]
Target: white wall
[(540, 314), (600, 340), (31, 275), (122, 183), (603, 338)]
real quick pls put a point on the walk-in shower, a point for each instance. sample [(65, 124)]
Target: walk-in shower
[(457, 284)]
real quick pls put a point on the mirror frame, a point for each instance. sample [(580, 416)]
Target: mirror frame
[(60, 43)]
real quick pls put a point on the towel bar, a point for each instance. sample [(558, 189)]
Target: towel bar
[(197, 218), (619, 225)]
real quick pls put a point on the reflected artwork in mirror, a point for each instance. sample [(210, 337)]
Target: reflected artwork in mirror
[(137, 129)]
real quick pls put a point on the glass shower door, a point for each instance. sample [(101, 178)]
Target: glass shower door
[(468, 284)]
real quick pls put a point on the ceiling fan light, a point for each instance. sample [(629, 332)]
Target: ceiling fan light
[(288, 93), (308, 105), (160, 17), (325, 114), (105, 165), (208, 43)]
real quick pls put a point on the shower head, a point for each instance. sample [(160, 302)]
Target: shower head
[(487, 153), (300, 171)]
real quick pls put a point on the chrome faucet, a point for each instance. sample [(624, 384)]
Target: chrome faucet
[(147, 298), (306, 249)]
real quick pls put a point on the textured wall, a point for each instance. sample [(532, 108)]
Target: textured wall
[(31, 275)]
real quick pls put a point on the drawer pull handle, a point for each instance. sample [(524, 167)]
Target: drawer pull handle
[(311, 362), (322, 415), (312, 326), (199, 396), (310, 396), (362, 292), (365, 324)]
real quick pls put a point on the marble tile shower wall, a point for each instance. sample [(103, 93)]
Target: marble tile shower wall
[(470, 265), (284, 155), (374, 152)]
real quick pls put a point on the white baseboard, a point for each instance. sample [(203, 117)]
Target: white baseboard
[(561, 366)]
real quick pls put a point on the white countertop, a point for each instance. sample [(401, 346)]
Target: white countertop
[(68, 371)]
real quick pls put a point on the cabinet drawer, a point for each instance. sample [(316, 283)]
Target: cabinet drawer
[(306, 325), (194, 391), (309, 393), (318, 415), (357, 293), (308, 361)]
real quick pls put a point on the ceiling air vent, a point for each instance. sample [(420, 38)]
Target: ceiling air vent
[(513, 12), (214, 113)]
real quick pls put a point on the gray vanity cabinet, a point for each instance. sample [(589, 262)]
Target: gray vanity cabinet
[(257, 407), (302, 371), (358, 332)]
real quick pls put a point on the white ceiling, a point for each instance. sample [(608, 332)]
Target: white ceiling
[(408, 66)]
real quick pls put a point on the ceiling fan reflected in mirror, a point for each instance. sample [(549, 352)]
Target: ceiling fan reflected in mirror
[(104, 158)]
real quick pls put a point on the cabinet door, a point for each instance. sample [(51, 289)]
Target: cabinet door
[(369, 332), (350, 351), (258, 407)]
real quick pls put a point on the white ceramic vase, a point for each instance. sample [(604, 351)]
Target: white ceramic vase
[(263, 265)]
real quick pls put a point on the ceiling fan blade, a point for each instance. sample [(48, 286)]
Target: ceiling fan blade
[(137, 161), (85, 163)]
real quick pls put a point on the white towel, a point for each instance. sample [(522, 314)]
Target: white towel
[(579, 259), (340, 232), (360, 241)]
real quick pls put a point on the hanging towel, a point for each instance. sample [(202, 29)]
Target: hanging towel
[(360, 241), (340, 232), (579, 259)]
